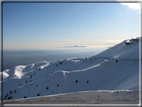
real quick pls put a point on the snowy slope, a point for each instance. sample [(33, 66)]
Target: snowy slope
[(121, 52), (85, 97), (101, 72)]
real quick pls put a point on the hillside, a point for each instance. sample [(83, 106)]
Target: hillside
[(116, 68), (85, 97)]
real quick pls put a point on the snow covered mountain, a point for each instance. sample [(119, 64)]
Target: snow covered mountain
[(116, 68)]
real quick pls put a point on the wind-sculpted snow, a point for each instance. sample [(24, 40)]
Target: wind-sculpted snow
[(100, 72), (18, 71), (5, 75)]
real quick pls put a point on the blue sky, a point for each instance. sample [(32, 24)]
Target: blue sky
[(51, 25)]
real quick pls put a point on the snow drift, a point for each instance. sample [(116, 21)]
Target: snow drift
[(116, 68)]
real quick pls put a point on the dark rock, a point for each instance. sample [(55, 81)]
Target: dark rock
[(9, 98), (5, 96), (60, 62)]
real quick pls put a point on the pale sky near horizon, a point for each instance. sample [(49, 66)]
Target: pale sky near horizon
[(48, 25)]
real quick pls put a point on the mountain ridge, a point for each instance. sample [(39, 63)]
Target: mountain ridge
[(116, 68)]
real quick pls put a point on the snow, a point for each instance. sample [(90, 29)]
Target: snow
[(43, 66), (18, 71), (5, 75), (85, 97), (121, 52), (116, 68)]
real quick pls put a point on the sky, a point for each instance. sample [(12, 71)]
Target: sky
[(53, 25)]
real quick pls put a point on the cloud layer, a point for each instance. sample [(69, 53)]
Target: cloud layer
[(135, 6)]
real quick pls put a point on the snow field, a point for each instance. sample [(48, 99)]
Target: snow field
[(114, 69), (64, 81), (85, 97)]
